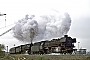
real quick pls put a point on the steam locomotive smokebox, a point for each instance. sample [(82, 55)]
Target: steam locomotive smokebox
[(65, 35), (74, 40), (69, 38)]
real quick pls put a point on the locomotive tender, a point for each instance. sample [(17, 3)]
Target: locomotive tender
[(60, 45)]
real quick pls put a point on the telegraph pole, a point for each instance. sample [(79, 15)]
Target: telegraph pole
[(5, 17), (5, 20), (7, 49)]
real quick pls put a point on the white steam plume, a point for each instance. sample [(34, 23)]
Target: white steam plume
[(44, 27)]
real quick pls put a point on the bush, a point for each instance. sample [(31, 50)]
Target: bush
[(2, 47), (40, 58), (2, 53)]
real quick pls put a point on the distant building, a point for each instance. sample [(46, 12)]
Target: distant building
[(80, 51), (88, 52)]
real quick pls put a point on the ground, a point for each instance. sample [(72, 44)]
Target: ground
[(45, 57)]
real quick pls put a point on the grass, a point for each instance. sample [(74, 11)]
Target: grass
[(45, 57)]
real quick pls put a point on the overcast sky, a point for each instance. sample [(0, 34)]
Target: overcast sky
[(79, 11)]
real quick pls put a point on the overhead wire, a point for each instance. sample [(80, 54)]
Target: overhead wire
[(7, 30)]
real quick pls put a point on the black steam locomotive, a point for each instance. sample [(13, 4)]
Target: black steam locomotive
[(60, 45)]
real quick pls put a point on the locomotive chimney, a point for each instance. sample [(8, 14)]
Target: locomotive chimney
[(65, 35)]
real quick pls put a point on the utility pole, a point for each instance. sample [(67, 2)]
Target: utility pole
[(7, 49), (5, 17), (5, 20)]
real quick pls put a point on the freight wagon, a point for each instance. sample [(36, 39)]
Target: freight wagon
[(60, 45)]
